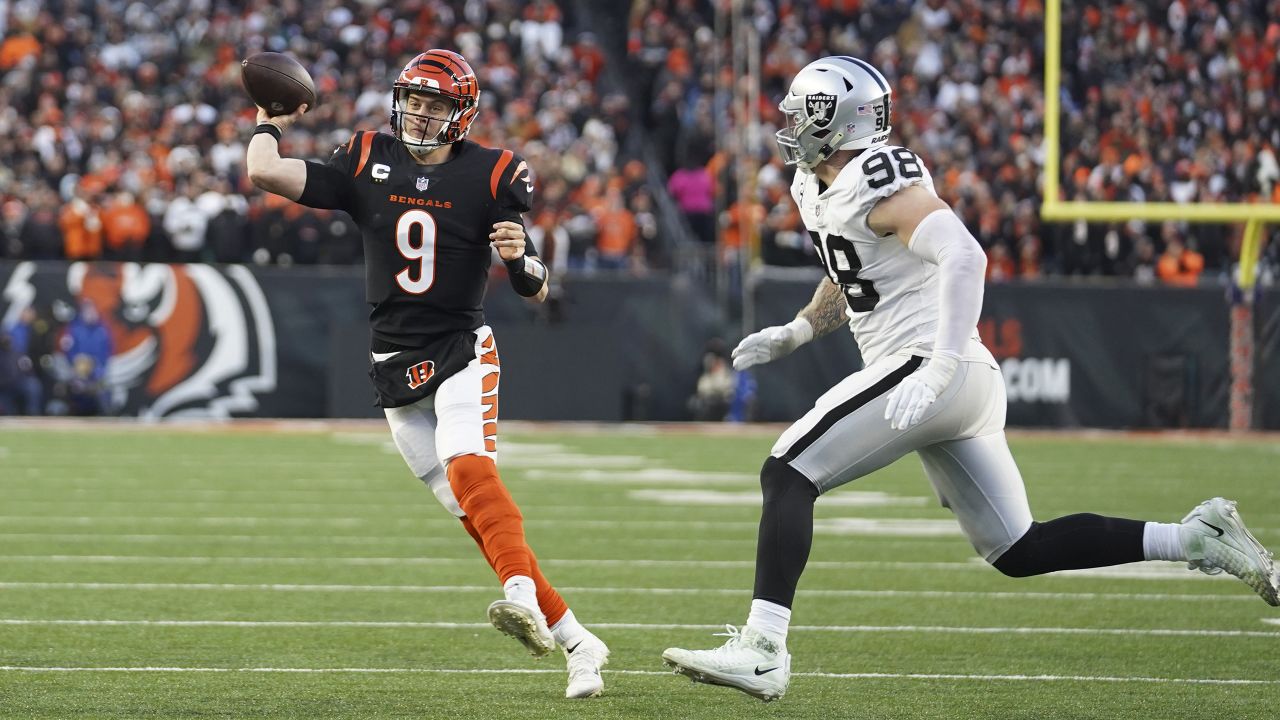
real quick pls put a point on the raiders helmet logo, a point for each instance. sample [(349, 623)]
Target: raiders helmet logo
[(187, 340), (820, 107), (419, 374)]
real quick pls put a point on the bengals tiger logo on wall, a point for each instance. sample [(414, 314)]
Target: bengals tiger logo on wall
[(188, 340)]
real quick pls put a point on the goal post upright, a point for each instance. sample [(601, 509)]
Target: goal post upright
[(1255, 217)]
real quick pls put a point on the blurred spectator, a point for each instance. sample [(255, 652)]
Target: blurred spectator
[(1178, 264), (33, 338), (691, 188), (86, 336), (81, 227), (19, 389), (618, 235), (19, 45), (82, 392), (1000, 266), (1142, 265), (715, 388), (125, 227), (186, 222)]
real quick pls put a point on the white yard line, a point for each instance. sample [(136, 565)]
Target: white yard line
[(436, 625), (554, 671), (751, 498), (1138, 571), (177, 538), (927, 594), (426, 511), (381, 561)]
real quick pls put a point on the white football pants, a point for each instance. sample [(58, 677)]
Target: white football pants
[(960, 441), (460, 418)]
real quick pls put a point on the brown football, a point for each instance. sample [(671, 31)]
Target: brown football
[(277, 83)]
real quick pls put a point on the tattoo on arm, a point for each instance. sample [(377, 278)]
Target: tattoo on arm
[(825, 312)]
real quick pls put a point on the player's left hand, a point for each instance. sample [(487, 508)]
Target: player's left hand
[(508, 238), (917, 391)]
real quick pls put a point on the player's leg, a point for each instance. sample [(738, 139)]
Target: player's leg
[(533, 611), (845, 436), (979, 481), (413, 429)]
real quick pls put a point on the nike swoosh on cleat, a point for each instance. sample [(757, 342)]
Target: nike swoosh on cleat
[(575, 647), (762, 672), (1215, 528)]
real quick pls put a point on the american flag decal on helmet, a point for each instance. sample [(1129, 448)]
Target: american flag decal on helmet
[(419, 374)]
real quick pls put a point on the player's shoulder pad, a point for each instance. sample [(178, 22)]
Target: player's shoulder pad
[(879, 172), (353, 155), (511, 178)]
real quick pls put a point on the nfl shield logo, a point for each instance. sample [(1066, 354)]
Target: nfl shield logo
[(820, 106), (423, 183)]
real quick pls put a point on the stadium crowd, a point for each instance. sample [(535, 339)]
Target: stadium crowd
[(1162, 102), (122, 125)]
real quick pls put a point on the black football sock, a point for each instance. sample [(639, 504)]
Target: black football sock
[(786, 531), (1073, 542)]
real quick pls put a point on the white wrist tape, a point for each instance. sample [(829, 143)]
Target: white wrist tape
[(801, 330)]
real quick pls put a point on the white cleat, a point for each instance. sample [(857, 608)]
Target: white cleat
[(1215, 539), (526, 624), (749, 662), (585, 660)]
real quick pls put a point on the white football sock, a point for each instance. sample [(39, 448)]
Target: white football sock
[(1163, 541), (520, 588), (568, 632), (770, 619)]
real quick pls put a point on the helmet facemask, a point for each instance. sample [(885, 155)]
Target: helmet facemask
[(411, 107), (801, 143)]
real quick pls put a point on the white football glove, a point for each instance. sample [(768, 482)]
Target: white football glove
[(771, 343), (919, 390)]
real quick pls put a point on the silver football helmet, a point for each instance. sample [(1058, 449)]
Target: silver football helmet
[(835, 103)]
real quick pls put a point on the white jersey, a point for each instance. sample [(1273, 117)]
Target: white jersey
[(892, 293)]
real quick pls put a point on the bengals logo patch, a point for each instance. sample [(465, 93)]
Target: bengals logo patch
[(419, 374)]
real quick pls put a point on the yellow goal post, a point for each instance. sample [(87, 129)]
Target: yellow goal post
[(1255, 216)]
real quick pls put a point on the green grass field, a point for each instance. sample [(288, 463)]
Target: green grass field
[(248, 571)]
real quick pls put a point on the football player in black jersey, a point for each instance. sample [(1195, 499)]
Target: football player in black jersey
[(431, 205)]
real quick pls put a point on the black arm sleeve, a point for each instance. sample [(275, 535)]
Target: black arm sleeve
[(527, 273)]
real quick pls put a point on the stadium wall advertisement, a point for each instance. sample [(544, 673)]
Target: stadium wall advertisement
[(233, 341)]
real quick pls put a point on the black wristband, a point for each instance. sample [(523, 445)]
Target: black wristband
[(528, 275), (269, 129)]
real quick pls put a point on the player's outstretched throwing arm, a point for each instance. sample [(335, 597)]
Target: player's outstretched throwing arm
[(268, 171), (318, 185), (931, 230)]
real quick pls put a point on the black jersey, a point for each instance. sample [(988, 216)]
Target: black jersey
[(426, 229)]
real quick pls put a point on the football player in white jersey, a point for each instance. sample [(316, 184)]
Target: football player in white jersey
[(907, 276)]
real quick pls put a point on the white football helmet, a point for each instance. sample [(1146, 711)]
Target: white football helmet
[(835, 103)]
